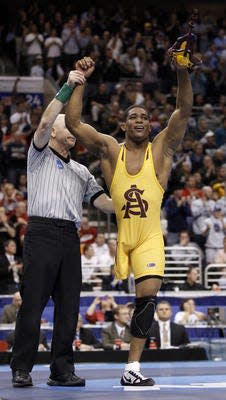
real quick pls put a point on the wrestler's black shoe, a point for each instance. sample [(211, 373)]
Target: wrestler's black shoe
[(135, 378), (21, 378), (69, 379)]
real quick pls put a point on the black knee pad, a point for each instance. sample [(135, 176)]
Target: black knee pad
[(143, 316)]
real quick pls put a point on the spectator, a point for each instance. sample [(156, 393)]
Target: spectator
[(110, 282), (16, 153), (182, 168), (167, 333), (221, 254), (99, 246), (11, 198), (173, 26), (201, 208), (149, 74), (208, 171), (181, 252), (214, 228), (131, 307), (107, 260), (202, 128), (19, 215), (22, 185), (7, 231), (87, 233), (209, 143), (222, 279), (115, 44), (42, 346), (191, 280), (33, 41), (219, 184), (19, 219), (53, 45), (117, 335), (4, 127), (85, 340), (199, 81), (197, 157), (90, 267), (219, 157), (177, 210), (221, 203), (37, 70), (191, 191), (104, 313), (99, 102), (126, 60), (54, 72), (210, 115), (70, 39), (220, 133), (111, 70), (84, 39), (10, 311), (110, 117), (10, 268), (187, 144), (21, 116), (188, 315)]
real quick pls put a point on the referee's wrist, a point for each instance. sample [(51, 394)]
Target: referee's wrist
[(71, 85), (64, 94)]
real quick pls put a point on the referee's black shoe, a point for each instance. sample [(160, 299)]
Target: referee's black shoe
[(21, 378), (69, 379)]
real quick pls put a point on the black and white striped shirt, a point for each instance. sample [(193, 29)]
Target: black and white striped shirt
[(57, 187)]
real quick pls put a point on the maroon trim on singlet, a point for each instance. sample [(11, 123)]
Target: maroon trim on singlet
[(143, 278), (123, 154)]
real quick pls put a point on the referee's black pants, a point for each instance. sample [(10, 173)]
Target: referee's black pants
[(52, 267)]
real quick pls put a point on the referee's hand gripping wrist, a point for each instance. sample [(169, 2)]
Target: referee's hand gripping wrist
[(74, 78)]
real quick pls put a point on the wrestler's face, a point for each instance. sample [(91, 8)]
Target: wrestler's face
[(137, 126)]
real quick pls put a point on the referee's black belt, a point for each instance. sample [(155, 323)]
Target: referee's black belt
[(52, 221)]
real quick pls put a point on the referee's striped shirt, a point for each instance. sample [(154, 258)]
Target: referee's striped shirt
[(57, 187)]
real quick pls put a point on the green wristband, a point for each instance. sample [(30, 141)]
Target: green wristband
[(64, 93)]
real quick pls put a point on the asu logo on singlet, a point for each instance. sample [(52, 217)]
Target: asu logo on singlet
[(135, 204)]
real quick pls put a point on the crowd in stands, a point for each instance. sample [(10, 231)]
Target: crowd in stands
[(169, 329), (132, 67)]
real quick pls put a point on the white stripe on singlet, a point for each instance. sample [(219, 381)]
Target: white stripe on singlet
[(57, 189)]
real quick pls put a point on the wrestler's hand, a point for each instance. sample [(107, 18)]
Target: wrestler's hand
[(76, 78), (181, 53), (178, 60), (86, 65)]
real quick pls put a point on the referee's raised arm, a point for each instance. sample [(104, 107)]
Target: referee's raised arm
[(43, 132)]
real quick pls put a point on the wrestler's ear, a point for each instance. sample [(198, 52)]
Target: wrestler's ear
[(123, 126)]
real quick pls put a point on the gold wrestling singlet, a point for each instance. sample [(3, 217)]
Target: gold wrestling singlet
[(137, 199)]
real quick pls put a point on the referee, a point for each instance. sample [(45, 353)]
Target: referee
[(57, 187)]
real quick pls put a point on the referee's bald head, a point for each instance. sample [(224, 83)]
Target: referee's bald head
[(59, 122), (60, 133)]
